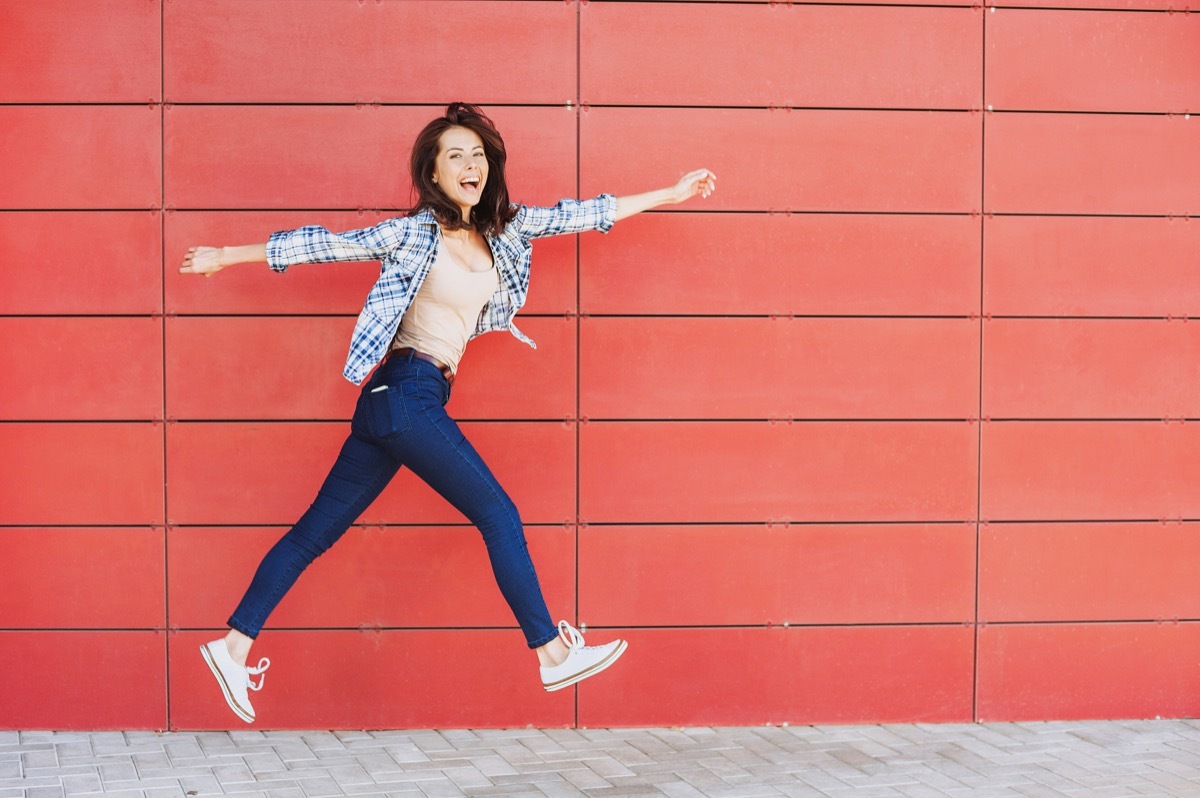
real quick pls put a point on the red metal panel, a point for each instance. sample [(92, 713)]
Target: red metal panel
[(779, 368), (324, 288), (1088, 572), (259, 368), (680, 263), (52, 579), (380, 577), (341, 157), (375, 680), (1092, 163), (821, 160), (782, 5), (1065, 61), (897, 674), (1135, 5), (808, 56), (1090, 368), (1088, 671), (1091, 266), (1047, 471), (290, 368), (100, 156), (895, 573), (81, 473), (266, 51), (82, 369), (820, 471), (80, 262), (64, 51), (502, 378), (269, 473), (82, 680)]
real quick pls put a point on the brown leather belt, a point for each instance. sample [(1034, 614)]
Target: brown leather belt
[(404, 351)]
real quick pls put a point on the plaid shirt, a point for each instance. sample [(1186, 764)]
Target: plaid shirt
[(406, 247)]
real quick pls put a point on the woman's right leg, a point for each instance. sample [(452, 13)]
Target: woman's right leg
[(361, 472), (359, 475)]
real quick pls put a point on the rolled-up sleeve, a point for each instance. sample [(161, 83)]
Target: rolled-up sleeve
[(568, 216), (315, 244)]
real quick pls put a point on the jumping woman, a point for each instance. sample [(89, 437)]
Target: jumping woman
[(457, 266)]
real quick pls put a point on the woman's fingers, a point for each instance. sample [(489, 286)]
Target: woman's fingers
[(200, 260), (702, 182)]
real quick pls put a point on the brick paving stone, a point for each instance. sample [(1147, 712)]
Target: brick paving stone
[(530, 779), (400, 780), (633, 791), (232, 773), (45, 792), (200, 785), (746, 791), (80, 785), (40, 759), (117, 771), (317, 788), (162, 792), (507, 790), (25, 782), (608, 767), (493, 764), (441, 789)]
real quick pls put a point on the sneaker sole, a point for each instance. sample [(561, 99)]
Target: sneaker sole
[(212, 666), (592, 671)]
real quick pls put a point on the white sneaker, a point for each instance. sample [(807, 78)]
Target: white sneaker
[(233, 678), (582, 661)]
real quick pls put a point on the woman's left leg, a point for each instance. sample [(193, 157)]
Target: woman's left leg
[(436, 450)]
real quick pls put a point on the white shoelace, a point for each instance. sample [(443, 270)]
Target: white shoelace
[(571, 635), (263, 664)]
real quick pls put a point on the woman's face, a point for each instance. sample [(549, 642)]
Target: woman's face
[(461, 168)]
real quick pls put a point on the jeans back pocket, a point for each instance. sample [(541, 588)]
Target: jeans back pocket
[(386, 411)]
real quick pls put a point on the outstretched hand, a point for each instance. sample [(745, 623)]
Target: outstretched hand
[(202, 260), (701, 181)]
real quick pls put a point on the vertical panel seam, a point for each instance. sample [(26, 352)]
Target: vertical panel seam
[(979, 430), (578, 313), (162, 283)]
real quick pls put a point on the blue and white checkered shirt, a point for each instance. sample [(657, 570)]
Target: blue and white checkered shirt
[(406, 247)]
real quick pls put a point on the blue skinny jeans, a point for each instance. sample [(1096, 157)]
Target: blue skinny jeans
[(400, 420)]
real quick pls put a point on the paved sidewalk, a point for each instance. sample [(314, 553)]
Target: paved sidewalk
[(1088, 760)]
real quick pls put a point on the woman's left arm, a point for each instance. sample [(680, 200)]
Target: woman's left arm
[(701, 181)]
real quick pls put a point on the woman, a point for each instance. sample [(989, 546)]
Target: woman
[(455, 267)]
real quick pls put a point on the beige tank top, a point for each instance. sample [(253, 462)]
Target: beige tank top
[(443, 315)]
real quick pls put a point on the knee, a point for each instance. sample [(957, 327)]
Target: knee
[(502, 524), (309, 538)]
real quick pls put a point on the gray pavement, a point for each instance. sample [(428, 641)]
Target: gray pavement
[(1092, 759)]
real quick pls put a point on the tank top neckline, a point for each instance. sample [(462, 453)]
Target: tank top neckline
[(454, 259)]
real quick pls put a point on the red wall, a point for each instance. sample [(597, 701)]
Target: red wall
[(898, 426)]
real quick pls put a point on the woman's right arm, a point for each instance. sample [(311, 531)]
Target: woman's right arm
[(312, 244), (210, 260)]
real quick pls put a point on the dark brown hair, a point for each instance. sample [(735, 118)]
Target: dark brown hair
[(494, 210)]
